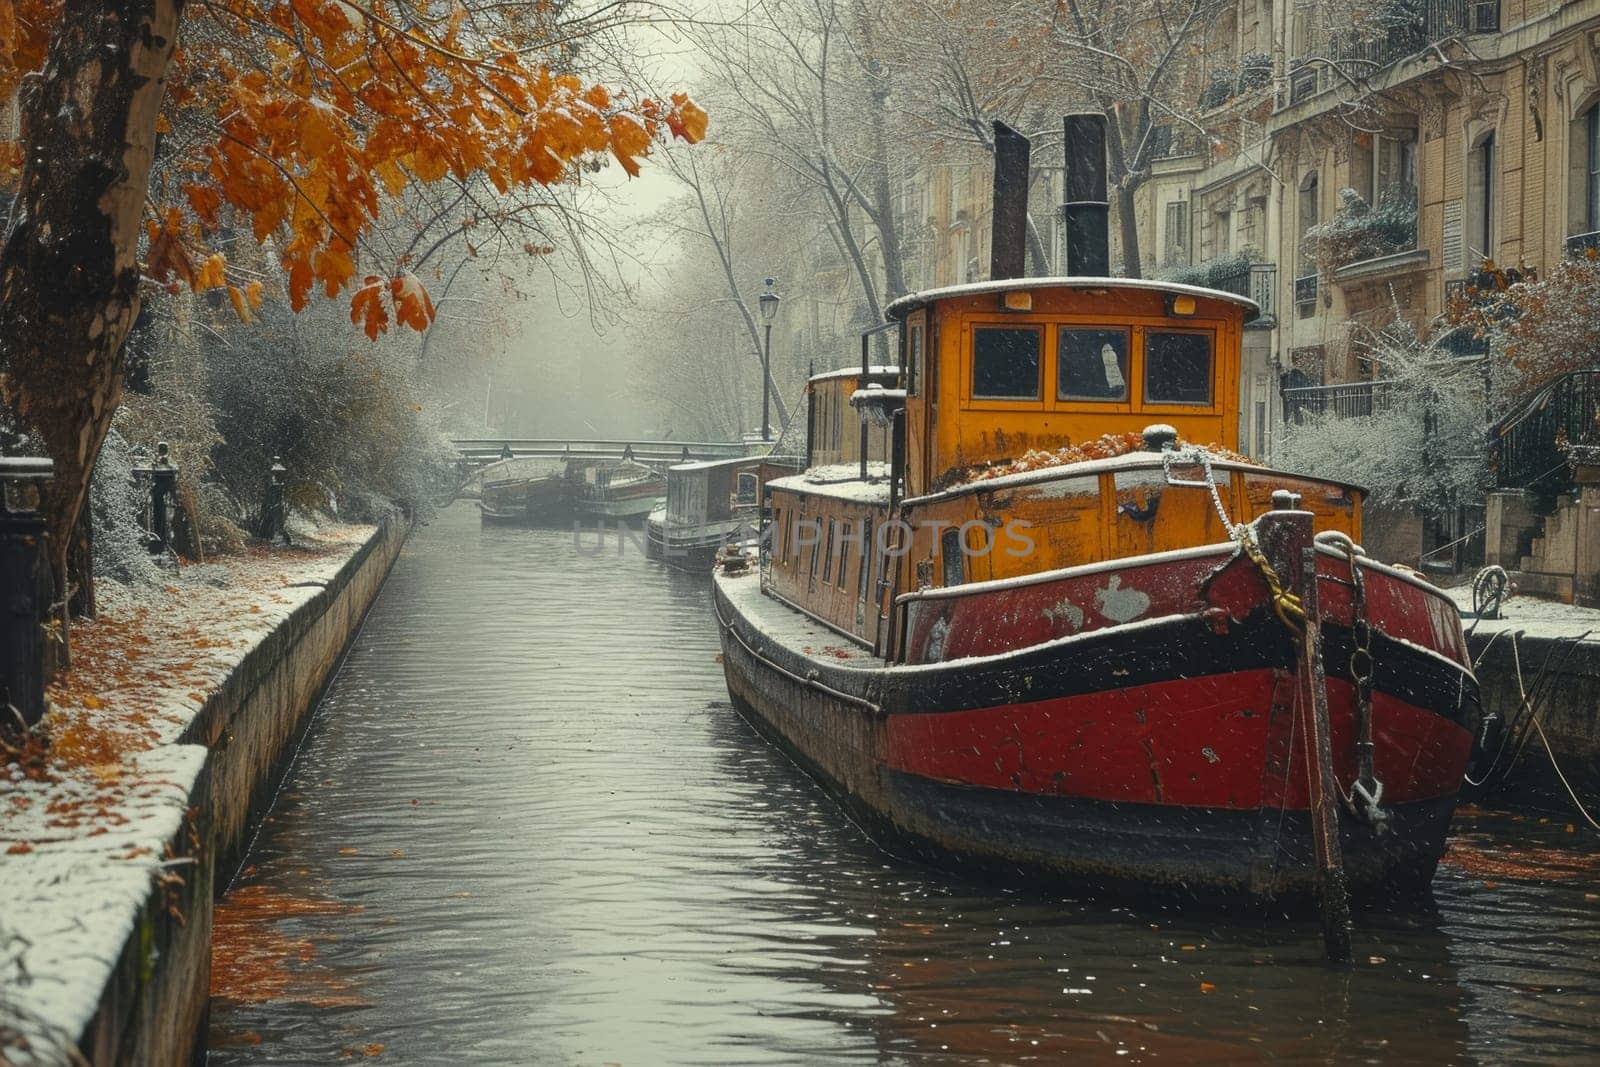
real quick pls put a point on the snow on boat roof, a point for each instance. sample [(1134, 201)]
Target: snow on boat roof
[(853, 372), (712, 464), (904, 306), (1134, 460), (842, 481)]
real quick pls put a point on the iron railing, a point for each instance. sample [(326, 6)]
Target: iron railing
[(1254, 282), (1527, 443), (1302, 84), (1397, 37), (1352, 400), (1305, 290), (1581, 244)]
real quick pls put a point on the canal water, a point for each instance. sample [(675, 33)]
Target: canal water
[(526, 826)]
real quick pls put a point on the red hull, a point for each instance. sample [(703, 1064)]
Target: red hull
[(1131, 725)]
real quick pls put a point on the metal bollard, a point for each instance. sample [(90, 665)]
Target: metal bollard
[(274, 510), (25, 587), (163, 483)]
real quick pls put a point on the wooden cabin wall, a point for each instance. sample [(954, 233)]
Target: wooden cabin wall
[(1082, 519), (835, 579), (949, 430)]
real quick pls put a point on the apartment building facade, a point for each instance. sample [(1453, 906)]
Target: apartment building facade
[(1427, 135)]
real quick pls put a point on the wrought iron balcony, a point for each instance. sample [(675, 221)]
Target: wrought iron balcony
[(1580, 245), (1302, 84), (1351, 400), (1256, 282), (1305, 290), (1399, 30)]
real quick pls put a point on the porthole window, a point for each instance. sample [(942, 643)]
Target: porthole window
[(1177, 367), (1092, 363), (1005, 362)]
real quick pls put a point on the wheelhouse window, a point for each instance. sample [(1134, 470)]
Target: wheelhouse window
[(1177, 367), (1092, 363), (1005, 362)]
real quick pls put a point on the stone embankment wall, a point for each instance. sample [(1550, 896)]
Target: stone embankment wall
[(153, 1008), (1564, 676)]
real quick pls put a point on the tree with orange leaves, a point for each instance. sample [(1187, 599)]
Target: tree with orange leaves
[(297, 118)]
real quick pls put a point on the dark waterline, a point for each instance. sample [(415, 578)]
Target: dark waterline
[(527, 827)]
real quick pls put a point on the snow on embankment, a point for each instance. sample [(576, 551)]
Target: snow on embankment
[(86, 823), (1531, 617)]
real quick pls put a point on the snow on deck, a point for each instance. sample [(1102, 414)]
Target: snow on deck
[(789, 627), (1535, 617), (84, 826)]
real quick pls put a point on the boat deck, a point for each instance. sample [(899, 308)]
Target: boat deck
[(790, 628)]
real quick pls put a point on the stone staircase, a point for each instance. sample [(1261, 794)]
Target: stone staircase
[(1562, 558)]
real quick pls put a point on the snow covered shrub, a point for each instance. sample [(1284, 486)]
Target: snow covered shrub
[(1358, 231), (1422, 444), (116, 506), (1212, 272), (1255, 70), (344, 415)]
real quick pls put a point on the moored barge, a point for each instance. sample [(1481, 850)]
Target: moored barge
[(708, 505), (1019, 620), (615, 490), (525, 490)]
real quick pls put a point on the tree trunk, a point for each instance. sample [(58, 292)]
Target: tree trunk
[(1126, 186), (1128, 223), (69, 270), (1036, 249)]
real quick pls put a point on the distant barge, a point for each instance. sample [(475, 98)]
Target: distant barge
[(708, 505), (542, 492)]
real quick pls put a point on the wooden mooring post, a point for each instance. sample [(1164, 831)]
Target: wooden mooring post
[(1333, 890)]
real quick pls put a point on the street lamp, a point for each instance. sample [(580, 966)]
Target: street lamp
[(769, 311)]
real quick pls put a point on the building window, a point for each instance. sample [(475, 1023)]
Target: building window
[(1177, 367), (1092, 364), (1394, 164), (1005, 362), (1308, 216), (1176, 251), (1305, 271), (1480, 199), (1591, 169)]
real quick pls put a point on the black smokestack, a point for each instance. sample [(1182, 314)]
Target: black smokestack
[(1008, 248), (1087, 208)]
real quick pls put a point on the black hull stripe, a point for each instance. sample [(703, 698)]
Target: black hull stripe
[(1186, 647)]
